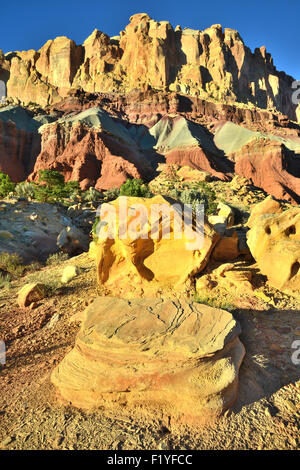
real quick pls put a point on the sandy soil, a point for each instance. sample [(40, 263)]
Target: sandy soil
[(265, 416)]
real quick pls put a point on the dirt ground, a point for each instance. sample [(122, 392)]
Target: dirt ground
[(265, 416)]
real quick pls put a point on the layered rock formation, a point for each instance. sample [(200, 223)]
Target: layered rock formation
[(274, 242), (137, 241), (181, 359), (153, 95), (19, 141), (213, 63), (271, 161), (92, 148)]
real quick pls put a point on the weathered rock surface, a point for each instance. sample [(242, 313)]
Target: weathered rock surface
[(144, 253), (177, 357), (92, 148), (213, 63), (31, 293), (274, 241), (73, 241), (270, 161), (35, 228), (19, 141)]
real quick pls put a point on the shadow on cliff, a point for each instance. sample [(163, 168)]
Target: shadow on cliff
[(264, 370)]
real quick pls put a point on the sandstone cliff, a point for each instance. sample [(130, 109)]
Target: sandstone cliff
[(213, 64)]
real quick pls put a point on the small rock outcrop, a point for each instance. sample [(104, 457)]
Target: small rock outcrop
[(178, 358), (38, 230), (31, 293)]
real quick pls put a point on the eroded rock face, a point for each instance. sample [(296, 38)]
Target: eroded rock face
[(144, 253), (274, 241), (35, 229), (19, 141), (270, 161), (213, 63), (91, 148), (177, 357)]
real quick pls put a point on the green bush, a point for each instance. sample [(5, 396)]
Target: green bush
[(56, 258), (6, 185), (135, 188), (112, 193), (94, 229), (25, 190), (11, 263), (200, 193), (52, 178), (54, 187)]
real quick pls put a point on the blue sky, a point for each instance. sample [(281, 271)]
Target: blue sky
[(273, 23)]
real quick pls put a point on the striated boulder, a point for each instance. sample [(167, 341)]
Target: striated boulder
[(137, 242), (181, 359), (274, 241)]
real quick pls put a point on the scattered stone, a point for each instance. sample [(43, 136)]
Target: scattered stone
[(31, 293), (73, 241), (54, 319), (69, 273), (8, 440)]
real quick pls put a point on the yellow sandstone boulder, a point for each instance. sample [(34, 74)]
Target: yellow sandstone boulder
[(155, 252), (274, 241), (180, 359)]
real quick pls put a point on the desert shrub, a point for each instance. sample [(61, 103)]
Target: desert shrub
[(5, 281), (11, 263), (94, 229), (175, 193), (215, 302), (92, 195), (57, 258), (25, 190), (135, 188), (200, 193), (54, 187), (52, 178), (112, 193), (6, 185)]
